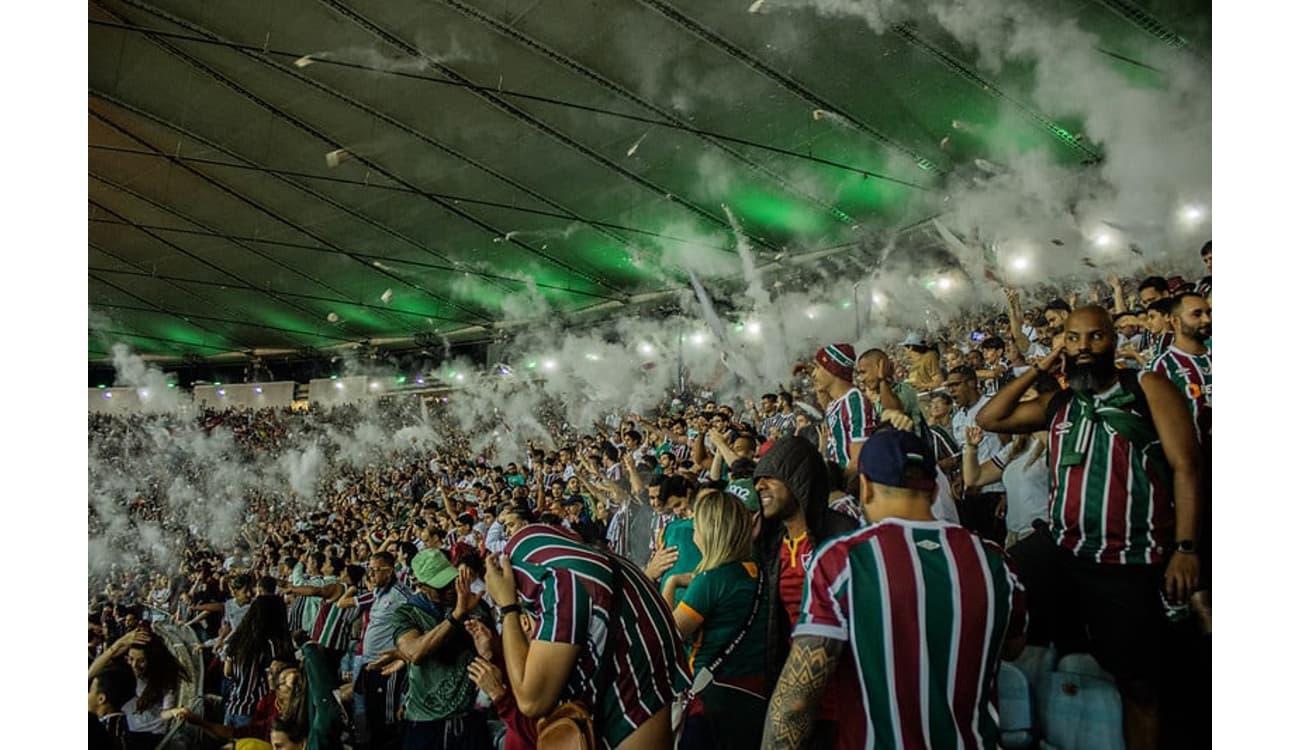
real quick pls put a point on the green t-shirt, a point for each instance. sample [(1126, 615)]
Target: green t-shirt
[(723, 598), (681, 534), (911, 407), (440, 688)]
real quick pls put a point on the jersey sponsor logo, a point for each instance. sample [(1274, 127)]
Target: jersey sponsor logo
[(929, 545), (1063, 427), (805, 559)]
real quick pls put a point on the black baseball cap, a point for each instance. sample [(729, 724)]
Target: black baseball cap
[(887, 454)]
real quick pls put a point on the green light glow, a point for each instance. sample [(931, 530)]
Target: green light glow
[(401, 379), (334, 377), (531, 365), (101, 386), (171, 385), (216, 382), (776, 212)]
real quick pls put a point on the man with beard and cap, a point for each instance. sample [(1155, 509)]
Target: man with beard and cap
[(922, 604), (1123, 512), (793, 489)]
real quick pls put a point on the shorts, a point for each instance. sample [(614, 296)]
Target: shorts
[(1114, 612)]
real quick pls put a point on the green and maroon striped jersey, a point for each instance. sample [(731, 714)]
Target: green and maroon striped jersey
[(1116, 506), (850, 419), (567, 586), (1190, 374), (925, 607)]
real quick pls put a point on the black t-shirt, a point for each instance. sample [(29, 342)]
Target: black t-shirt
[(209, 593)]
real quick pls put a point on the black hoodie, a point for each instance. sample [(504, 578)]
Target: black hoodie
[(796, 463)]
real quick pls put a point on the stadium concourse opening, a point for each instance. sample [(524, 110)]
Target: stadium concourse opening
[(649, 374)]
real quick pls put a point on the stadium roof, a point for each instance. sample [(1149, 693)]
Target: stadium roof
[(302, 174)]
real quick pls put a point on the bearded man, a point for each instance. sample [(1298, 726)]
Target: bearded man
[(1123, 511)]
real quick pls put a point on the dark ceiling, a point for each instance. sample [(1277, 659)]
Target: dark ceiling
[(300, 174)]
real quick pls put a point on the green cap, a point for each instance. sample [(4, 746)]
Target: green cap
[(432, 568), (744, 489)]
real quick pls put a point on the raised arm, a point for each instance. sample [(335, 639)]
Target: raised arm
[(1017, 318), (973, 473), (538, 670), (1007, 414)]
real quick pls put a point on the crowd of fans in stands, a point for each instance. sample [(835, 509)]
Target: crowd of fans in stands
[(692, 576)]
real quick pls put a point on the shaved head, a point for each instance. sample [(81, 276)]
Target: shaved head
[(1090, 349), (1093, 316), (869, 367)]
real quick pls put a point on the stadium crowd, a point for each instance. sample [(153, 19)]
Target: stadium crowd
[(847, 560)]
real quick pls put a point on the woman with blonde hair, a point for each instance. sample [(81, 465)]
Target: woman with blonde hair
[(722, 616)]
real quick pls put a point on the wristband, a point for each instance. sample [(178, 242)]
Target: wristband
[(511, 609)]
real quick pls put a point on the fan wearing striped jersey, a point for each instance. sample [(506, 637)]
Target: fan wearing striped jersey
[(1124, 488), (920, 610), (1187, 365)]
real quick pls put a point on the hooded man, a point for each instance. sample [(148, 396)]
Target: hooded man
[(793, 490)]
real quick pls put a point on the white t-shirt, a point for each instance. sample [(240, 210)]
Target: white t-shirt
[(151, 721), (1028, 486), (989, 446), (944, 506)]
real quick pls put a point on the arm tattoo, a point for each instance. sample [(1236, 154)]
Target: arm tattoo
[(809, 667)]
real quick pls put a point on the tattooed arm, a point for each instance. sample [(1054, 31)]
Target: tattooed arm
[(809, 667)]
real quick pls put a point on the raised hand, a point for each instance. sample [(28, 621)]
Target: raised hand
[(466, 599), (500, 580), (661, 561), (974, 435), (482, 637), (487, 677)]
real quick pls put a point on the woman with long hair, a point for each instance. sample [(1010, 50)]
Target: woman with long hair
[(724, 608), (158, 678), (262, 637)]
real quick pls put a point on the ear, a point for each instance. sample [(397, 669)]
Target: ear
[(865, 493)]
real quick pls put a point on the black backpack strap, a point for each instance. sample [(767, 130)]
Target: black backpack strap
[(1130, 381), (740, 635)]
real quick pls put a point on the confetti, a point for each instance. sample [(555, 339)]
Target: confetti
[(387, 296), (337, 157), (755, 6), (637, 145), (303, 61), (332, 317)]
